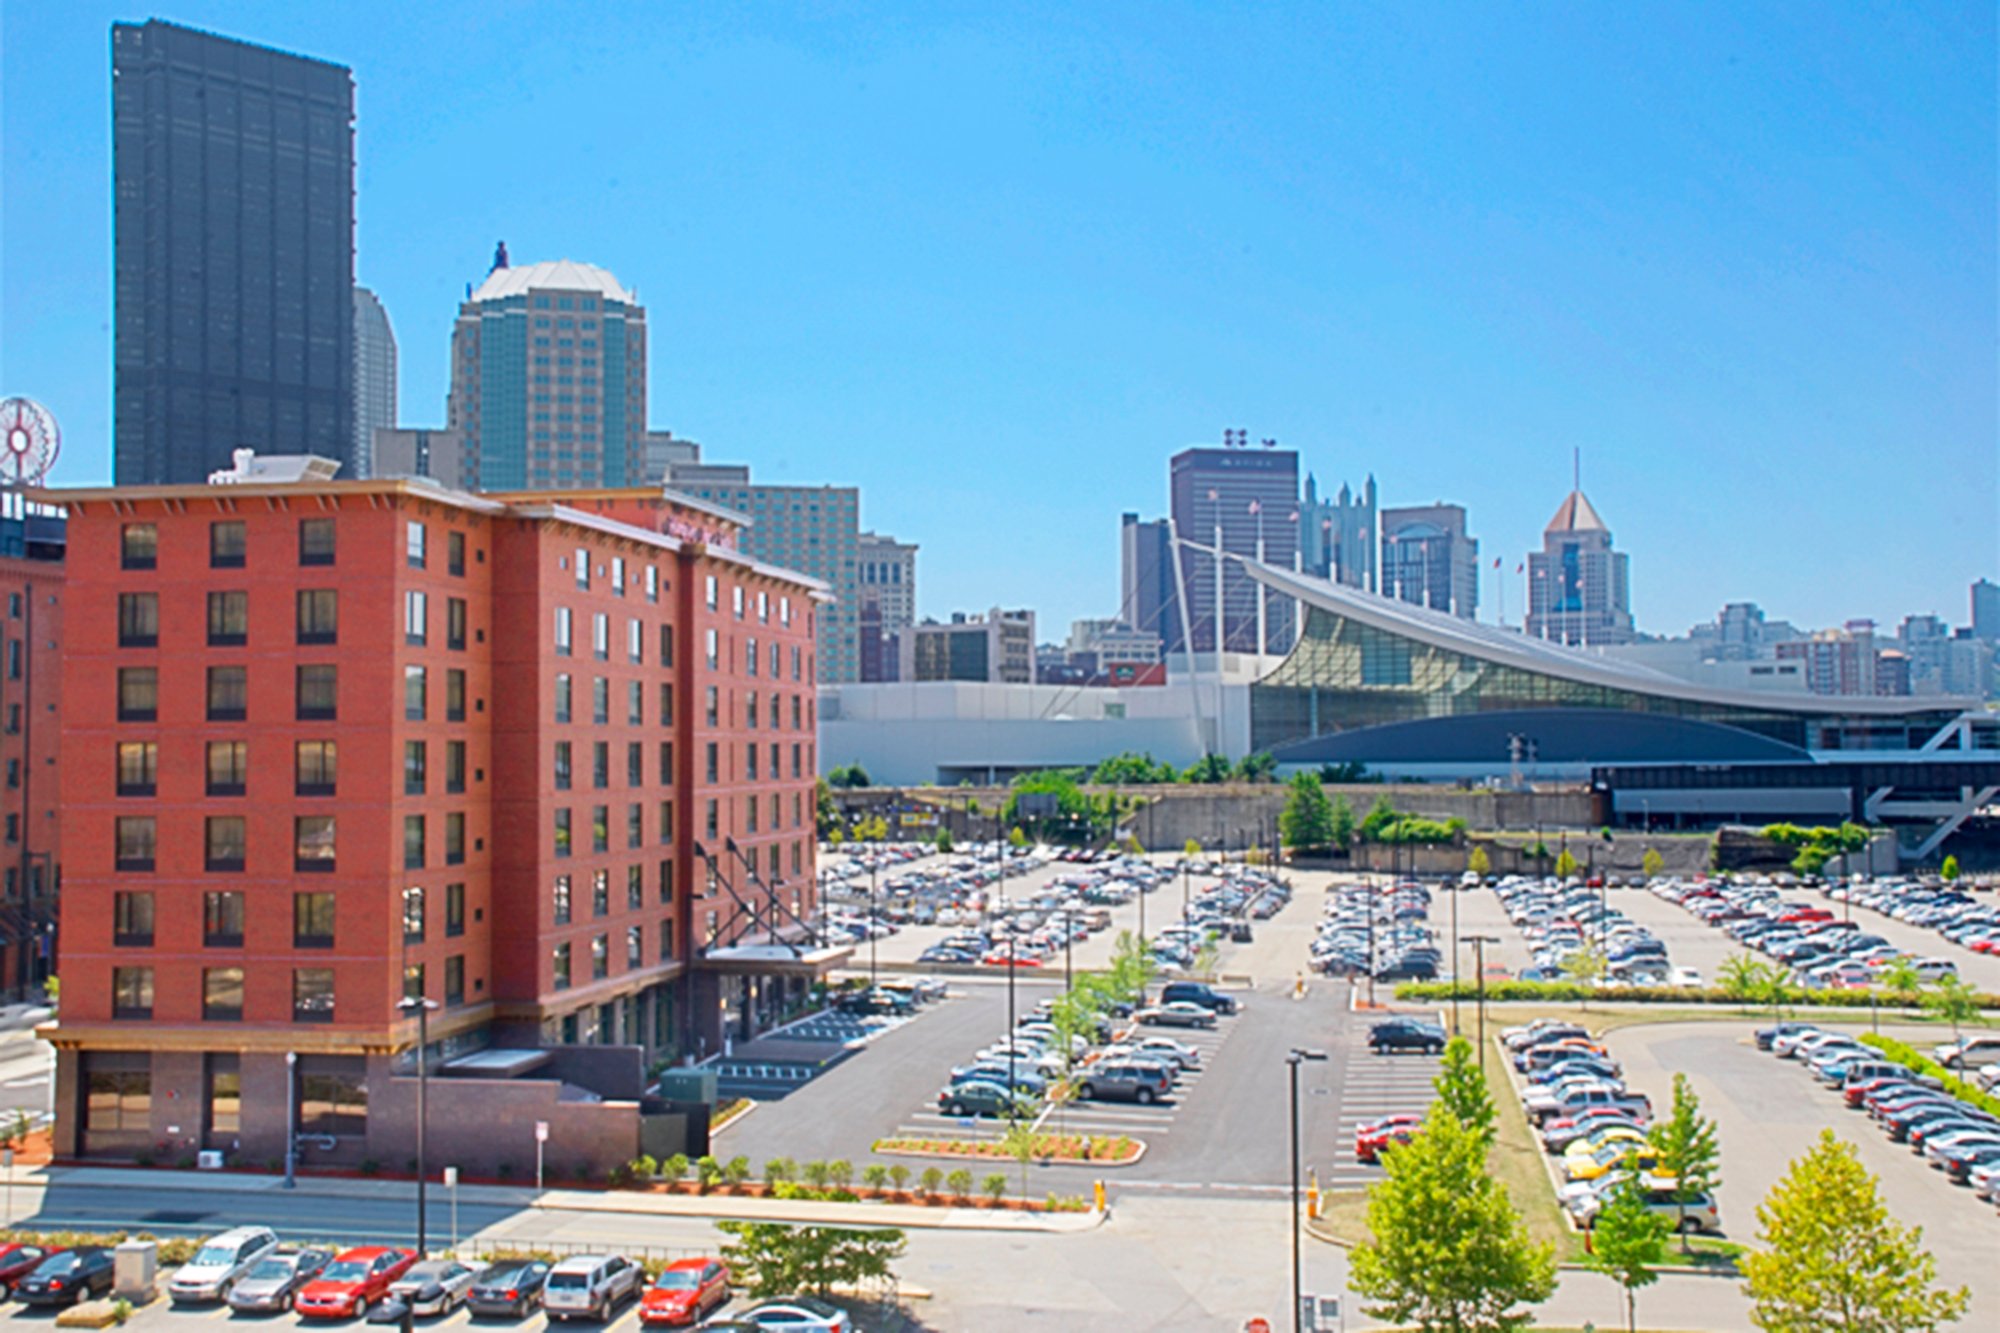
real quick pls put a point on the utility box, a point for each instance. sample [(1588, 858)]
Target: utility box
[(688, 1085), (135, 1267)]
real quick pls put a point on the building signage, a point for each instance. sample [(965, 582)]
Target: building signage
[(687, 530)]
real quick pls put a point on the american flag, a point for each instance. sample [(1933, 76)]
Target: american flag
[(1212, 495), (1256, 506)]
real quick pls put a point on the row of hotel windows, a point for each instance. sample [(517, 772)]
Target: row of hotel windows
[(600, 894), (134, 912), (635, 820), (561, 955), (229, 545), (315, 767), (332, 1095), (225, 839), (317, 619), (635, 765), (312, 991), (316, 693)]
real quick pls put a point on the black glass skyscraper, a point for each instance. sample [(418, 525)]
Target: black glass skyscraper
[(233, 171)]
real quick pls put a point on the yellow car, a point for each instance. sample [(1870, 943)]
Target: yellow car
[(1596, 1139), (1610, 1157)]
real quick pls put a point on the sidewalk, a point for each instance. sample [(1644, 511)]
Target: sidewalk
[(718, 1205)]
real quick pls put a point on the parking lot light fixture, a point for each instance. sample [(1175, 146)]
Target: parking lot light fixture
[(1293, 1059), (1479, 943), (421, 1007)]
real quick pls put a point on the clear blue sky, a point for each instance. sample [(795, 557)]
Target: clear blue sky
[(994, 264)]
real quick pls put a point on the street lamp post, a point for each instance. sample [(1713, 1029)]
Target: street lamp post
[(1479, 943), (873, 861), (291, 1119), (1294, 1058), (1011, 1036), (1069, 938), (1455, 892), (421, 1007)]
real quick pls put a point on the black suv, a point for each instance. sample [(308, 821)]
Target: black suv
[(1406, 1034), (1195, 992)]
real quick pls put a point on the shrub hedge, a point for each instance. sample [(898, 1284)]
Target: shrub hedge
[(1912, 1059), (1573, 993)]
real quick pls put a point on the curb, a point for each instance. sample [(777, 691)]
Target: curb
[(745, 1107)]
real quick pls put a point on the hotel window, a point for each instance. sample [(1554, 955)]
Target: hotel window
[(666, 645), (750, 710), (454, 838), (222, 994), (750, 657), (736, 600), (312, 921), (228, 543), (600, 764), (635, 887), (318, 693), (131, 997), (600, 957), (136, 841), (139, 546), (635, 641), (750, 814), (600, 699), (784, 610), (454, 979), (635, 702), (582, 568), (138, 768), (559, 966), (618, 575), (416, 618), (224, 1094), (314, 768), (413, 915), (138, 694), (454, 909), (228, 619), (312, 995), (132, 919), (415, 543), (318, 615), (635, 764), (454, 623), (228, 767), (600, 636), (138, 619), (562, 696), (666, 882), (713, 645), (222, 919), (776, 720), (712, 706), (712, 767), (635, 948), (413, 842), (666, 941), (454, 695), (413, 981), (600, 892), (666, 763), (652, 583), (315, 541), (750, 762), (763, 608), (228, 693), (666, 703), (454, 547), (565, 624), (712, 820), (333, 1098), (795, 712), (312, 844), (711, 593), (454, 767), (415, 682), (563, 768), (416, 755), (600, 828), (561, 900), (562, 833), (635, 825)]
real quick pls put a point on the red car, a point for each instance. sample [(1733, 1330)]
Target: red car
[(685, 1290), (997, 958), (355, 1280), (16, 1260), (1371, 1140)]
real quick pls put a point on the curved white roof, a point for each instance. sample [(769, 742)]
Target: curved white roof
[(563, 275), (1458, 635)]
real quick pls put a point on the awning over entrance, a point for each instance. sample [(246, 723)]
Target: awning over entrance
[(774, 960), (497, 1063)]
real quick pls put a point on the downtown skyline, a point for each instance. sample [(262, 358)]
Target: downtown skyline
[(1008, 268)]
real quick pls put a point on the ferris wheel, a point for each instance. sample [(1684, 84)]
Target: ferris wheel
[(29, 442)]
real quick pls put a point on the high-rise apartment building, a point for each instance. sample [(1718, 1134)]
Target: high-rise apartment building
[(1430, 559), (545, 760), (413, 451), (886, 571), (1337, 536), (548, 379), (813, 529), (233, 252), (1148, 598), (998, 647), (1986, 610), (1848, 660), (374, 378), (1579, 588), (1250, 497)]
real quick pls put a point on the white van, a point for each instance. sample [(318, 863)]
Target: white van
[(590, 1286)]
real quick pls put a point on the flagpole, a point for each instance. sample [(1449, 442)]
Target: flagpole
[(1258, 509)]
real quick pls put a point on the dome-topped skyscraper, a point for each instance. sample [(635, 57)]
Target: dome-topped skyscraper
[(1579, 589), (548, 378)]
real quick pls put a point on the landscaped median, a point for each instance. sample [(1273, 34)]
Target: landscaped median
[(1060, 1149), (1571, 992), (1917, 1062)]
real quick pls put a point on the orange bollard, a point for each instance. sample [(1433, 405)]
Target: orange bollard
[(1312, 1194), (1098, 1189)]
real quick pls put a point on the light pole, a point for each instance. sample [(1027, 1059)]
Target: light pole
[(1069, 938), (873, 861), (1011, 1035), (421, 1007), (1479, 943), (1455, 892), (291, 1119), (1294, 1058)]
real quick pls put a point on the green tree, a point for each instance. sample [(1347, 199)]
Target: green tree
[(1016, 838), (1343, 822), (1565, 864), (1688, 1150), (1020, 1142), (1477, 862), (944, 842), (1461, 1089), (1652, 863), (848, 776), (1628, 1242), (1349, 770), (1307, 820), (1378, 819), (1954, 1002), (774, 1259), (1585, 966), (1210, 769), (1191, 849), (1835, 1259), (1899, 978), (1446, 1248), (1129, 769), (824, 809), (1949, 870), (1257, 767), (1742, 977)]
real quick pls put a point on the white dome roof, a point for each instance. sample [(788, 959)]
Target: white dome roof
[(564, 275)]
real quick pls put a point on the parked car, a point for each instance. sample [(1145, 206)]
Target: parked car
[(977, 1097), (1701, 1213), (433, 1287), (1375, 1137), (273, 1281), (218, 1263), (1198, 992), (685, 1290), (1179, 1014), (65, 1277), (1123, 1080), (1406, 1034), (796, 1314), (15, 1261), (509, 1288), (589, 1286), (355, 1280)]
